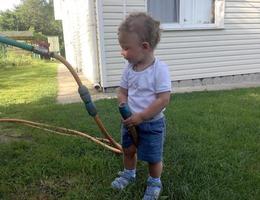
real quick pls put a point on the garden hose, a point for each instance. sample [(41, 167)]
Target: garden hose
[(86, 98), (22, 45), (62, 131), (84, 94)]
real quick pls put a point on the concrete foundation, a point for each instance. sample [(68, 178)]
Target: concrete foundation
[(213, 83), (217, 83)]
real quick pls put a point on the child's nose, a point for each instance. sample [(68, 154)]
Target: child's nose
[(123, 52)]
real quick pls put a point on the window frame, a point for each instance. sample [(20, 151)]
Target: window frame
[(218, 24)]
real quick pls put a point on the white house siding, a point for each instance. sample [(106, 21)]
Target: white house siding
[(192, 54), (113, 12), (79, 28), (88, 40), (66, 11), (63, 13)]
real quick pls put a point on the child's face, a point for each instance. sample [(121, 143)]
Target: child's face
[(132, 49)]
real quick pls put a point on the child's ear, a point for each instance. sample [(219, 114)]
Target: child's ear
[(145, 45)]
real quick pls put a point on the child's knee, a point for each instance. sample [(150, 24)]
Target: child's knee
[(130, 151)]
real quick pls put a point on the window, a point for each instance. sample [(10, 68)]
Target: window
[(187, 14)]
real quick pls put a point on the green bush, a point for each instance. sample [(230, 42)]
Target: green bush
[(14, 60)]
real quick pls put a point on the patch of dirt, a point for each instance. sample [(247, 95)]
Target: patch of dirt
[(9, 136)]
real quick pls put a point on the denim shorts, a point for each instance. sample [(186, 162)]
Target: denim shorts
[(151, 136)]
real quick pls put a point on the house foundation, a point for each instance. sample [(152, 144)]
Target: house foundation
[(213, 83)]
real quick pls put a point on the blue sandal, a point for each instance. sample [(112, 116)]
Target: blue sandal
[(122, 181), (153, 190)]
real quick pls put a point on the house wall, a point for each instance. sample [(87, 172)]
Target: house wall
[(88, 40), (65, 11), (113, 12), (80, 35), (192, 55)]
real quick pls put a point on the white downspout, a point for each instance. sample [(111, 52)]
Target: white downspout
[(100, 44)]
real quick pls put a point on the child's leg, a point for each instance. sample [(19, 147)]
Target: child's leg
[(155, 169), (154, 184), (128, 175), (152, 151), (130, 158)]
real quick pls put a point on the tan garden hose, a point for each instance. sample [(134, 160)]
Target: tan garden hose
[(62, 131)]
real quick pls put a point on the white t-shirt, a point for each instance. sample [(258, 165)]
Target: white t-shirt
[(144, 85)]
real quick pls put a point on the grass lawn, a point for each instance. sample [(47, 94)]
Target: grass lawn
[(212, 148)]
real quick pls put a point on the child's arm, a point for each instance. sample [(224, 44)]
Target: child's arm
[(160, 103), (122, 95)]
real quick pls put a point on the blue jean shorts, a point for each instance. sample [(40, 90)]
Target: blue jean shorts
[(151, 136)]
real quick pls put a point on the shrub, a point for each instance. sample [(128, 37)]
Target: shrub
[(14, 60)]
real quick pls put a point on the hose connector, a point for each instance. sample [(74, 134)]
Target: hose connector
[(86, 98), (42, 51)]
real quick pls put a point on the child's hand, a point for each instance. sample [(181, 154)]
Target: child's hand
[(134, 120)]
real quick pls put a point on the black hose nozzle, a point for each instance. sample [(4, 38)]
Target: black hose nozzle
[(124, 110), (126, 113)]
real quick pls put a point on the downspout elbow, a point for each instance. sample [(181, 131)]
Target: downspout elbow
[(97, 86)]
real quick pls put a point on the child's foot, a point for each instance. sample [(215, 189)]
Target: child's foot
[(123, 180), (153, 190)]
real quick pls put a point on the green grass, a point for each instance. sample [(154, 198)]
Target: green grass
[(211, 150)]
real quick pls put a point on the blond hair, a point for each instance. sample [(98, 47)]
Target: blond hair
[(146, 28)]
